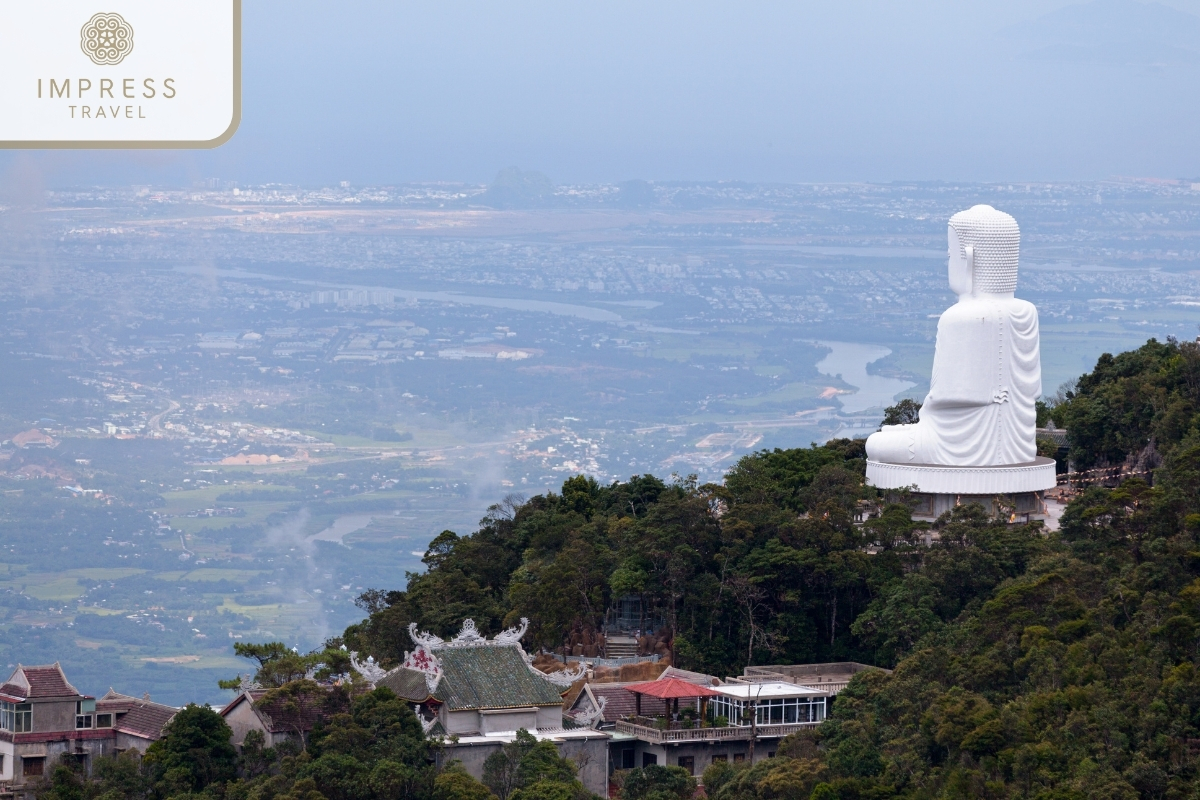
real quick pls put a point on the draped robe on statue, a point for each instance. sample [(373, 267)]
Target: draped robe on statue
[(987, 374)]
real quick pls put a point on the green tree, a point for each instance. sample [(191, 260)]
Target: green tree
[(527, 769), (194, 752), (658, 783), (905, 412), (455, 784), (67, 782), (277, 664), (1134, 405)]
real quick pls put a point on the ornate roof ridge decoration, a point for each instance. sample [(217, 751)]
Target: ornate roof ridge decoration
[(469, 636), (424, 638), (424, 658), (369, 670), (424, 661), (564, 677), (589, 719), (512, 635), (246, 684)]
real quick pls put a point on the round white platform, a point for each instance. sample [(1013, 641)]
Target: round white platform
[(1033, 476)]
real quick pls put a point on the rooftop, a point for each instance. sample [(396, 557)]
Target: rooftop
[(492, 677), (39, 682), (767, 691), (471, 672), (290, 713), (137, 716), (671, 688), (541, 734)]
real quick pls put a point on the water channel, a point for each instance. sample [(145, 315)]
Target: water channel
[(849, 360)]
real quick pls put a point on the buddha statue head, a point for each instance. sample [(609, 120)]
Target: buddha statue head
[(984, 247)]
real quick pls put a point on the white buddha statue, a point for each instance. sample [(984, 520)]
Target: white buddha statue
[(987, 369)]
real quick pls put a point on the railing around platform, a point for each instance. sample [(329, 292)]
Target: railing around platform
[(733, 732)]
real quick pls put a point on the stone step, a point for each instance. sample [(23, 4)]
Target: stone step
[(621, 647)]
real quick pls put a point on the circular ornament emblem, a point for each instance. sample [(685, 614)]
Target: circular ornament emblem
[(106, 39)]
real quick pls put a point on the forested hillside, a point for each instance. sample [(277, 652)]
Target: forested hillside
[(769, 567), (1027, 664)]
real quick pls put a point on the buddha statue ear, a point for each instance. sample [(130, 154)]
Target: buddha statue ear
[(970, 251), (961, 265)]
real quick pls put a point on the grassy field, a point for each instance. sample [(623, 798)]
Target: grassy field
[(105, 573), (205, 574), (54, 588), (98, 611), (257, 513), (789, 393)]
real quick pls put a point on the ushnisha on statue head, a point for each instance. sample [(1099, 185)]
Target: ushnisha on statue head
[(984, 247)]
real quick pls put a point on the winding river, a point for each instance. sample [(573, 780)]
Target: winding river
[(849, 360)]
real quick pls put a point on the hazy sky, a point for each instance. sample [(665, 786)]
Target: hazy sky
[(376, 91)]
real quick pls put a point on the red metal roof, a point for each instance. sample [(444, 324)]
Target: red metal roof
[(689, 676), (670, 689)]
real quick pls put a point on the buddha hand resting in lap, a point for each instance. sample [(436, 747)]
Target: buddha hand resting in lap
[(987, 369)]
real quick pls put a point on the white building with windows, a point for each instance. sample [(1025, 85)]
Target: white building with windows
[(745, 705)]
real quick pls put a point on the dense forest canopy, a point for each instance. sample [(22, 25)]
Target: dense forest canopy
[(769, 567), (1133, 407)]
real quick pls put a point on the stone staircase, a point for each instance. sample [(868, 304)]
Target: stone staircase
[(621, 647)]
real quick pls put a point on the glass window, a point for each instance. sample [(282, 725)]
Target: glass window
[(6, 716), (23, 718), (791, 712), (104, 720), (33, 766), (83, 721), (688, 763)]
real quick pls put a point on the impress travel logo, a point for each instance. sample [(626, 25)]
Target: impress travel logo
[(106, 39), (73, 77)]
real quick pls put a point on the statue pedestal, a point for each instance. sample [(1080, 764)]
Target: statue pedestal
[(938, 488)]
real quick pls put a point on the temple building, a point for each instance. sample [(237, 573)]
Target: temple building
[(475, 693)]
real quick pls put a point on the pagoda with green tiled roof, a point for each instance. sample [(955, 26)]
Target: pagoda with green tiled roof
[(472, 685)]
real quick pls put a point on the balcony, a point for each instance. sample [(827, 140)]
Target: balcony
[(676, 734)]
